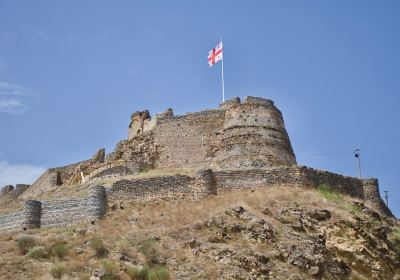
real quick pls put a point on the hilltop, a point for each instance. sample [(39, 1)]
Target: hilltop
[(263, 233)]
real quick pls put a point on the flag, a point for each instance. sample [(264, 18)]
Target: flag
[(215, 54)]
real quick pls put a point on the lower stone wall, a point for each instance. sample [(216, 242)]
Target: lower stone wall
[(206, 182), (64, 212), (150, 189), (296, 176), (57, 213), (373, 197), (11, 221)]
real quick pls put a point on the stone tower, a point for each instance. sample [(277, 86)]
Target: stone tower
[(253, 135)]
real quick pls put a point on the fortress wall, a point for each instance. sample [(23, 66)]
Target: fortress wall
[(57, 213), (247, 134), (68, 212), (63, 212), (11, 221), (179, 139), (372, 196), (288, 176), (73, 211), (20, 189), (151, 189)]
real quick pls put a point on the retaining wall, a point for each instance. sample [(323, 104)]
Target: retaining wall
[(165, 187), (37, 214), (288, 176), (206, 182), (150, 189)]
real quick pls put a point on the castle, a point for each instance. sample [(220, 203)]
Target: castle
[(237, 134), (242, 144)]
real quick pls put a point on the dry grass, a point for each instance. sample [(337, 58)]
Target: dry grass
[(8, 205), (127, 231)]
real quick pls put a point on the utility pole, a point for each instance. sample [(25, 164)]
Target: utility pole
[(386, 198), (357, 156)]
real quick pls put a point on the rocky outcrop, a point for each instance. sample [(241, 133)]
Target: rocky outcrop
[(292, 242)]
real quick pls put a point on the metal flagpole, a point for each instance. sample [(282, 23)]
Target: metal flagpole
[(222, 72)]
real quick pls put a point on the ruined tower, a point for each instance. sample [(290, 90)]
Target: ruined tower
[(253, 135)]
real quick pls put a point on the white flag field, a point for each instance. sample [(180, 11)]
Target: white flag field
[(215, 54)]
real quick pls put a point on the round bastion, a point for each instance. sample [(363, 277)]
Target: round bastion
[(253, 135)]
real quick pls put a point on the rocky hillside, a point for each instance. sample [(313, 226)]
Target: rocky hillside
[(266, 233)]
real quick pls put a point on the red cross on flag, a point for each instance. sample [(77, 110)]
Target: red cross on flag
[(215, 54)]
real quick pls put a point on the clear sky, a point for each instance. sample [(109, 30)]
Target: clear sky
[(72, 72)]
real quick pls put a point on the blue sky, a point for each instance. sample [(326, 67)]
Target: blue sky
[(72, 72)]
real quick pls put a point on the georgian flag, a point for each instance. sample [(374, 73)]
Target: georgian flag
[(215, 54)]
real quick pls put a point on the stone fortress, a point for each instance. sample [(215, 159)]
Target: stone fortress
[(237, 146)]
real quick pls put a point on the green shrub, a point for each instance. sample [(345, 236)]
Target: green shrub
[(25, 243), (138, 274), (159, 273), (37, 252), (149, 251), (329, 194), (123, 246), (356, 208), (156, 273), (145, 169), (109, 266), (59, 250), (108, 276), (97, 245), (57, 270)]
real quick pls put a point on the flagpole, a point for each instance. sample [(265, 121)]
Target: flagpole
[(222, 73)]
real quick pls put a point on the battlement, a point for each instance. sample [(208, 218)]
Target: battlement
[(235, 101)]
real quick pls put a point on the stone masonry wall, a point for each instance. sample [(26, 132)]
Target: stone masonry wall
[(372, 196), (59, 213), (287, 176), (206, 182), (165, 188), (237, 134), (179, 138), (150, 189), (253, 135), (11, 221)]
